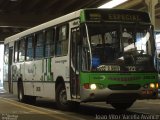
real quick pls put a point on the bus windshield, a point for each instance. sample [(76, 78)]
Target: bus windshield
[(117, 47)]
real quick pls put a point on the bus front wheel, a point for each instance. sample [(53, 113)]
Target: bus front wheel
[(122, 106), (61, 97)]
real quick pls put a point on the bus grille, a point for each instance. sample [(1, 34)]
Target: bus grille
[(124, 87)]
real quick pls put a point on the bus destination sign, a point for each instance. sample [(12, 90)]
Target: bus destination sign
[(117, 15), (124, 17)]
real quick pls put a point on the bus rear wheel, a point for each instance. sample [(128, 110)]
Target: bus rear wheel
[(25, 98), (21, 96), (122, 106)]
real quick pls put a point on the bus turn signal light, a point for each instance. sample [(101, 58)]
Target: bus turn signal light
[(157, 85), (86, 86)]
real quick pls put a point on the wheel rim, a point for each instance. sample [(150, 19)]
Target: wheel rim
[(63, 97)]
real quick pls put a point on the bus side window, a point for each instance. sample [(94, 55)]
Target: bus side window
[(62, 40), (29, 53), (39, 45), (16, 46), (21, 50), (6, 53), (49, 43)]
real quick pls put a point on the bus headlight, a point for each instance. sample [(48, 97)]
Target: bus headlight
[(93, 86), (152, 85)]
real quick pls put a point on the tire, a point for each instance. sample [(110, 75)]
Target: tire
[(24, 98), (21, 96), (61, 100), (122, 106), (61, 97)]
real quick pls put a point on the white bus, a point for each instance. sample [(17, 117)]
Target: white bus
[(88, 55)]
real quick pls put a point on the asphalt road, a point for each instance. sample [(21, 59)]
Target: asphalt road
[(44, 109)]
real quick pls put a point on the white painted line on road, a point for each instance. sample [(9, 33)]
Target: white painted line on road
[(28, 107)]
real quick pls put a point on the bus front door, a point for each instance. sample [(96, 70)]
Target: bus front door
[(74, 68)]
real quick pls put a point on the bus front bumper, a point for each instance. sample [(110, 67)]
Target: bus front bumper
[(106, 94)]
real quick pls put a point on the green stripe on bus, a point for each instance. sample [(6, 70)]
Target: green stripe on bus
[(50, 77), (49, 65), (82, 16)]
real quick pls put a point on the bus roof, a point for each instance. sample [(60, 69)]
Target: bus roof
[(51, 23)]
